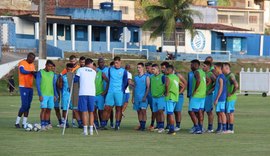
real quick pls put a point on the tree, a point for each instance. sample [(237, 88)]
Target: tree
[(165, 16)]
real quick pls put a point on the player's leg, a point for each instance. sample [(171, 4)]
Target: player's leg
[(155, 111), (208, 107), (82, 106), (160, 113), (210, 121), (170, 105), (126, 100), (23, 106), (91, 107), (100, 108), (29, 95), (118, 97), (230, 113), (193, 110), (178, 112), (48, 111)]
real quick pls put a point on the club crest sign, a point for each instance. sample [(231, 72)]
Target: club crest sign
[(198, 42)]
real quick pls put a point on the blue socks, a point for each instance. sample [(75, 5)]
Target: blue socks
[(230, 127), (178, 124), (152, 122), (224, 127), (160, 125), (171, 129), (142, 125), (103, 123), (210, 126), (219, 126), (96, 123)]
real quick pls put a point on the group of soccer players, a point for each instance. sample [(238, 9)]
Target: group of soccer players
[(92, 91)]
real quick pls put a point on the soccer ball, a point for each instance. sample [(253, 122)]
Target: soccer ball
[(36, 127), (28, 127)]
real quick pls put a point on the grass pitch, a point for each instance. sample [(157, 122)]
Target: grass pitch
[(252, 135)]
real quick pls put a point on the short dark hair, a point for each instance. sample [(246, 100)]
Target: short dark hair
[(155, 65), (170, 67), (208, 63), (88, 61), (49, 62), (112, 63), (117, 58), (219, 64), (195, 61), (209, 57), (94, 64), (82, 58), (69, 65), (71, 57), (148, 64), (31, 54), (227, 64), (165, 63), (140, 63)]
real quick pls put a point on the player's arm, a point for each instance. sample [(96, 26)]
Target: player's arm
[(77, 76), (38, 84), (167, 84), (147, 88), (213, 79), (133, 93), (125, 80), (25, 72), (198, 81), (235, 83), (104, 77), (55, 86), (183, 83), (220, 81)]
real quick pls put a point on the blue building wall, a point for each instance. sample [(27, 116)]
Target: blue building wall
[(11, 30), (253, 44), (90, 14), (266, 46)]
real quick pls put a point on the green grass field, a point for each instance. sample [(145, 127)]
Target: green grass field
[(252, 135)]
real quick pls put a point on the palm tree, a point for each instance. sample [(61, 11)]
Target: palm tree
[(164, 18)]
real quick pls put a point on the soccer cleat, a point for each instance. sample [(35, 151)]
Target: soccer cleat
[(151, 128), (161, 130), (156, 128), (192, 130), (85, 133), (81, 126), (112, 126), (176, 129), (91, 133), (210, 131), (43, 128), (198, 132), (117, 128), (171, 133), (230, 132), (137, 128), (49, 126), (74, 125), (17, 126)]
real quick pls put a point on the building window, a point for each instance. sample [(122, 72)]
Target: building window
[(222, 19), (135, 36), (124, 9), (237, 19), (60, 30), (115, 34), (49, 29), (253, 19), (170, 41), (81, 33)]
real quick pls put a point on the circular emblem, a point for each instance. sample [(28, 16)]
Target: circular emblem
[(198, 42)]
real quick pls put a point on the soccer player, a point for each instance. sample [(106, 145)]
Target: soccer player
[(220, 98), (26, 77), (47, 93), (87, 91), (149, 73), (74, 98), (118, 82), (127, 92), (179, 104), (65, 92), (196, 103), (210, 59), (232, 86), (163, 66), (100, 93), (82, 61), (56, 102), (157, 84), (140, 92), (210, 86), (171, 96)]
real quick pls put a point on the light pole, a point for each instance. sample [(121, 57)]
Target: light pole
[(42, 34)]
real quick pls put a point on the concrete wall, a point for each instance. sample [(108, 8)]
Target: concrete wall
[(117, 4), (209, 15), (90, 14), (23, 26)]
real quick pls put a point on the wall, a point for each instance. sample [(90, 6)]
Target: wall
[(209, 15), (23, 26), (90, 14), (117, 3), (266, 46)]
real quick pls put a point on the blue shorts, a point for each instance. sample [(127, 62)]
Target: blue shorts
[(138, 105), (99, 102), (26, 98), (230, 106), (170, 106), (208, 105), (48, 102), (179, 104), (196, 104), (114, 99), (86, 103), (64, 103), (126, 97), (56, 104), (220, 107), (158, 103)]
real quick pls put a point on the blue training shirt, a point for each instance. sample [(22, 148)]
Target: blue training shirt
[(140, 87), (118, 79), (65, 88), (149, 93), (223, 95)]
